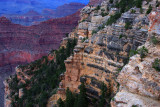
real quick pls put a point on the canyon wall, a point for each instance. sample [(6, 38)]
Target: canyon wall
[(115, 49), (21, 45)]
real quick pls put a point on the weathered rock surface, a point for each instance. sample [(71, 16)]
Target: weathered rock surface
[(139, 81)]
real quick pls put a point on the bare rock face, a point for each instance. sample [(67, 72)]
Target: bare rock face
[(139, 81)]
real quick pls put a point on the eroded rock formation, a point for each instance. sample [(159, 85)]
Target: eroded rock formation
[(103, 55)]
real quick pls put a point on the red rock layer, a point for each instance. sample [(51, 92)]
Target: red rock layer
[(19, 44)]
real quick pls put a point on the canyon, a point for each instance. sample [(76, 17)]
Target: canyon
[(118, 46), (21, 45), (33, 17)]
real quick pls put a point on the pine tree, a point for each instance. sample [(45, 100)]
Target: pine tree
[(82, 97), (102, 101), (68, 48), (60, 103), (69, 99)]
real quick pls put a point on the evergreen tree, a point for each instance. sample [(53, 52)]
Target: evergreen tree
[(68, 48), (149, 9), (102, 101), (82, 97), (69, 99), (138, 3), (60, 103)]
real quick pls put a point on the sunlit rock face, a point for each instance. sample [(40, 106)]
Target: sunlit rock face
[(139, 81), (154, 22)]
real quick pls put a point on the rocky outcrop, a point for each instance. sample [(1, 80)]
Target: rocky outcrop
[(139, 81)]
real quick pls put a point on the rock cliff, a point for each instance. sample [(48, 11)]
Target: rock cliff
[(104, 49), (114, 48)]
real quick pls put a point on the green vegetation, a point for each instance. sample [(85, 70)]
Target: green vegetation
[(104, 14), (84, 39), (82, 97), (142, 51), (111, 1), (128, 25), (69, 99), (156, 64), (44, 81), (141, 10), (122, 35), (157, 3), (149, 9), (103, 96), (102, 9), (113, 18), (125, 5), (98, 7), (60, 103), (132, 53), (133, 11), (67, 34), (75, 100), (154, 40), (134, 106), (138, 3), (93, 32)]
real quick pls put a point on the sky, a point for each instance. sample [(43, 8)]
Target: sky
[(22, 6)]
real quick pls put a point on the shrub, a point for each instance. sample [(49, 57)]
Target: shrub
[(132, 53), (122, 35), (98, 7), (128, 25), (149, 9), (102, 9), (141, 10), (156, 64), (111, 1), (133, 11), (134, 106), (113, 18), (143, 52), (157, 3), (60, 103), (154, 40), (84, 39), (93, 32), (138, 3), (104, 14)]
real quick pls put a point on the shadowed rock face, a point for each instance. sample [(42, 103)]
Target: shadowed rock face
[(20, 45)]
